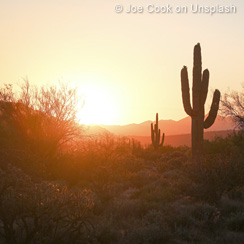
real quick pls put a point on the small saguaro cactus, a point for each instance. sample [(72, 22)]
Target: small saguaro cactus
[(156, 134), (199, 95)]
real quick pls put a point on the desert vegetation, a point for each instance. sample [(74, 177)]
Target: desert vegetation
[(59, 186)]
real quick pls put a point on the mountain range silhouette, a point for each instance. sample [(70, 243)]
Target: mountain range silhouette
[(177, 133)]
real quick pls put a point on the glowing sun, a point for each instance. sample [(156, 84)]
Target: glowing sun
[(99, 107)]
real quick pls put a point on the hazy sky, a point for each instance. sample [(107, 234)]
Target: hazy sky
[(127, 65)]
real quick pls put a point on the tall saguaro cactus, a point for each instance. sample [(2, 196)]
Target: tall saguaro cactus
[(156, 134), (199, 95)]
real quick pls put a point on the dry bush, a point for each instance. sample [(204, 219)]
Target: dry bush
[(42, 212), (44, 118), (232, 104), (104, 146), (215, 176)]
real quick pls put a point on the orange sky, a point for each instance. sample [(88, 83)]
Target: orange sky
[(128, 66)]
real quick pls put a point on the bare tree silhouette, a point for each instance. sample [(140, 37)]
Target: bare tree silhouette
[(44, 117)]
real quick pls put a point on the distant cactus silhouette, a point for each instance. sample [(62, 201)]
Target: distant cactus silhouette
[(156, 134), (199, 95)]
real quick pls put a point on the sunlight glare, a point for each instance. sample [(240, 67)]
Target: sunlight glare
[(99, 107)]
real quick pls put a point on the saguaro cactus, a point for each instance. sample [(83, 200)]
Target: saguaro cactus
[(199, 95), (156, 134)]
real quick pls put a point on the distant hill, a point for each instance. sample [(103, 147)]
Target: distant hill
[(177, 133), (93, 129), (169, 127)]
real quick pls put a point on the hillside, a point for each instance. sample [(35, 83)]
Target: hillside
[(178, 133), (169, 127)]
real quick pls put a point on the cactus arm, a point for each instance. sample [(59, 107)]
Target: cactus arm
[(204, 86), (162, 140), (186, 91), (213, 110), (152, 133)]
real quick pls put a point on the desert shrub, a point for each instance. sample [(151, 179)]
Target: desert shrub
[(124, 208), (230, 206), (236, 222), (191, 222), (232, 106), (62, 166), (42, 119), (141, 178), (230, 237), (238, 139), (217, 146), (156, 193), (149, 234), (102, 185), (171, 161), (28, 162), (104, 146), (237, 193), (179, 215), (215, 176), (149, 154), (231, 145), (206, 215), (107, 234), (137, 148), (155, 217), (41, 212)]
